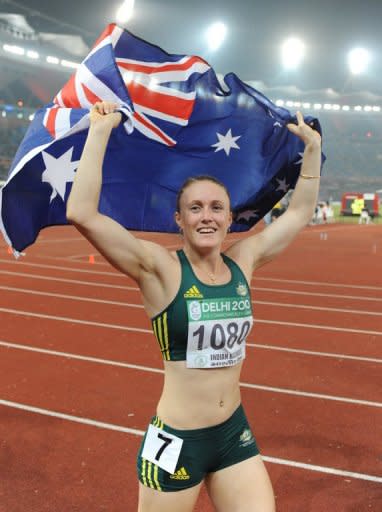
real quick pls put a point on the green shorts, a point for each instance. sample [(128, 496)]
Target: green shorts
[(203, 451)]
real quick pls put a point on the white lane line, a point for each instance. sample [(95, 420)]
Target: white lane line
[(67, 269), (315, 326), (322, 469), (125, 328), (157, 370), (72, 297), (317, 283), (256, 278), (73, 281), (131, 305), (315, 353), (317, 308), (311, 395), (133, 431), (74, 320), (314, 294)]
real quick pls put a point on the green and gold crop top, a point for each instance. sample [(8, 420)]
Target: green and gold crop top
[(206, 325)]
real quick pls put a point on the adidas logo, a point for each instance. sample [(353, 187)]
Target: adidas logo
[(181, 474), (193, 293)]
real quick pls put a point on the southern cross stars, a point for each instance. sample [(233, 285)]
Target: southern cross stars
[(58, 172), (226, 142)]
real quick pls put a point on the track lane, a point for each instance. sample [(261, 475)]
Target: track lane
[(344, 431), (84, 468)]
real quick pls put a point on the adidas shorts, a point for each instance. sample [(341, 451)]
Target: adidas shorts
[(203, 451)]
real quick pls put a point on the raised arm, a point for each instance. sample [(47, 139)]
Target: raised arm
[(127, 253), (261, 248)]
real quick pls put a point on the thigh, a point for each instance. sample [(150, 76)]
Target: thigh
[(242, 487), (151, 500)]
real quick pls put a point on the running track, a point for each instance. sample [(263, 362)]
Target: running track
[(80, 375)]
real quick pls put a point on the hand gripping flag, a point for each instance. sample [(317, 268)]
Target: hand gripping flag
[(180, 121)]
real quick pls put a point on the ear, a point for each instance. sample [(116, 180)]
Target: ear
[(177, 219), (230, 220)]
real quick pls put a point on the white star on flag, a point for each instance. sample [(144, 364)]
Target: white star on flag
[(247, 215), (226, 142), (58, 172), (282, 185), (277, 123)]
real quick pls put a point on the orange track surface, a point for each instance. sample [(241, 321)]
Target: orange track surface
[(71, 333)]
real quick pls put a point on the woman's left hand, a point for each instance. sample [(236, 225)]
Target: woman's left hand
[(304, 131)]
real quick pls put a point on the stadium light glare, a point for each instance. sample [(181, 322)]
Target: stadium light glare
[(306, 105), (358, 108), (52, 60), (358, 60), (317, 106), (31, 54), (280, 103), (336, 107), (69, 64), (125, 11), (3, 114), (289, 103), (292, 53), (367, 108), (216, 34), (297, 104), (346, 108), (376, 109), (17, 50), (327, 106)]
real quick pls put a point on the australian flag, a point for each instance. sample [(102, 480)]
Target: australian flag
[(180, 120)]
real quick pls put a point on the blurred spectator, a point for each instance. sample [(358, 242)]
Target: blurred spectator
[(364, 218)]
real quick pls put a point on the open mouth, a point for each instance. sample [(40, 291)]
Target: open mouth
[(206, 231)]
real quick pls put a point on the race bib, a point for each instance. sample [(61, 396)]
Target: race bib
[(162, 448), (217, 330)]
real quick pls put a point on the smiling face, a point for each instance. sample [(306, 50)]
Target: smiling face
[(204, 214)]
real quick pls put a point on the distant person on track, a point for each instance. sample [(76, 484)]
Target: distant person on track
[(364, 217), (199, 301)]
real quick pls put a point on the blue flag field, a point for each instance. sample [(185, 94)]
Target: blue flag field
[(180, 121)]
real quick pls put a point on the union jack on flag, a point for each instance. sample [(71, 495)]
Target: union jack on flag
[(179, 121)]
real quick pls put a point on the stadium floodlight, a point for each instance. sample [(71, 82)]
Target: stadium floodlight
[(317, 106), (358, 60), (125, 11), (346, 108), (292, 53), (216, 33), (31, 54), (280, 103), (358, 108), (52, 60), (17, 50), (69, 64), (306, 105)]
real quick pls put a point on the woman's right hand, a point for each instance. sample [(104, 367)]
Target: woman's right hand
[(103, 113)]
